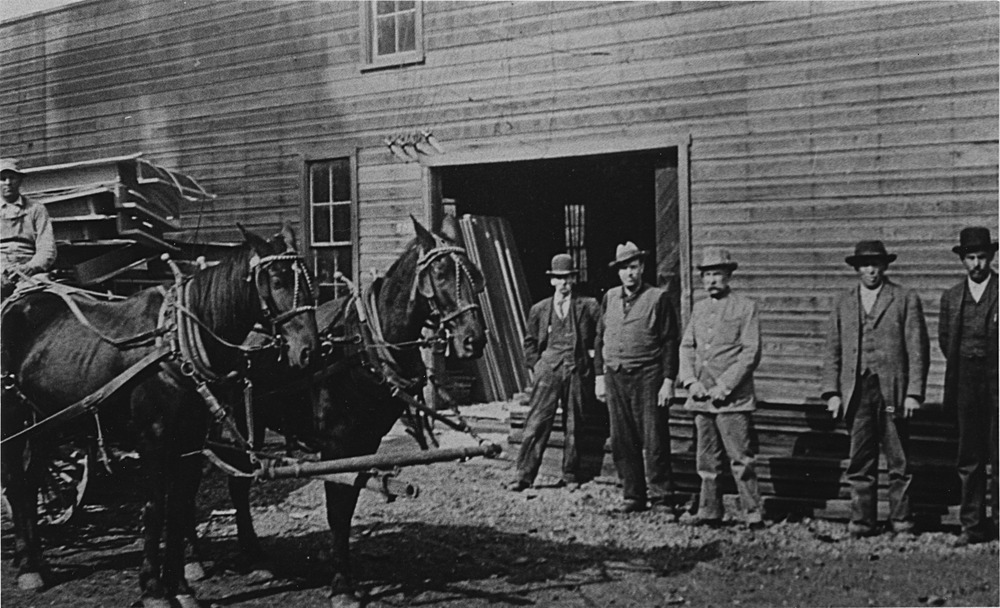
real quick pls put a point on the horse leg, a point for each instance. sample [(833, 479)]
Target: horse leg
[(20, 476), (184, 480), (153, 475), (341, 501)]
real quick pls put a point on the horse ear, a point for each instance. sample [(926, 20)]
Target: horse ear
[(449, 228), (288, 233), (244, 232), (256, 243), (424, 235)]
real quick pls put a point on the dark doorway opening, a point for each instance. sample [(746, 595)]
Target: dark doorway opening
[(591, 203)]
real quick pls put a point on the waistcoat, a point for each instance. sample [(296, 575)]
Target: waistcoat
[(631, 341), (561, 344), (975, 316)]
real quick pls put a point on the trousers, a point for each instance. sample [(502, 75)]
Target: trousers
[(729, 432), (976, 405), (552, 387)]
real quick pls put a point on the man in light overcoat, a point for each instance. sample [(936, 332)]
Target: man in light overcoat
[(875, 373), (967, 334)]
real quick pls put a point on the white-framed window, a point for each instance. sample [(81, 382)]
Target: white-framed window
[(391, 33), (575, 225), (332, 235)]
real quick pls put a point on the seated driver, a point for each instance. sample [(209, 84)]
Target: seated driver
[(27, 244)]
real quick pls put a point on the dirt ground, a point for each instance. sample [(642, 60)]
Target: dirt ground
[(466, 542)]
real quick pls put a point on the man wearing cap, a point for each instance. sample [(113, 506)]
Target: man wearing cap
[(27, 244), (875, 372), (557, 345), (967, 334), (636, 353), (719, 352)]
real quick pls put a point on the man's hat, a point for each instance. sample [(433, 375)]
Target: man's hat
[(716, 257), (562, 266), (10, 164), (866, 251), (626, 253), (975, 238)]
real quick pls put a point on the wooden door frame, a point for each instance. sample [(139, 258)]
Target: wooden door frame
[(629, 139)]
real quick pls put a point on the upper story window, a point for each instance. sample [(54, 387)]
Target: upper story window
[(392, 32), (331, 224)]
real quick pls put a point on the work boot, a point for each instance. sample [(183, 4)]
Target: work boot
[(518, 486)]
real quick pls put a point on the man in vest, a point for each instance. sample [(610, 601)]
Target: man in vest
[(719, 352), (27, 243), (636, 355), (875, 365), (967, 332), (557, 345)]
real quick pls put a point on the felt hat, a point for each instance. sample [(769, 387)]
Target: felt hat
[(625, 253), (10, 164), (870, 251), (562, 266), (717, 257), (975, 238)]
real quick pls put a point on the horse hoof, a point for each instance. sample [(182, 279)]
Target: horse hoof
[(193, 571), (187, 601), (344, 600), (30, 581), (261, 574)]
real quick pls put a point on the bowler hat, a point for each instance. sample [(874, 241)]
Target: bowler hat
[(562, 265), (716, 257), (866, 251), (625, 253), (976, 238), (10, 164)]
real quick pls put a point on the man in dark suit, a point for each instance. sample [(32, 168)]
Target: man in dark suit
[(967, 333), (558, 346), (876, 363)]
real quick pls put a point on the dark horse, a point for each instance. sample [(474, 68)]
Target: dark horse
[(351, 409), (54, 357)]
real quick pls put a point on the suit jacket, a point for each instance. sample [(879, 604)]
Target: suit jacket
[(902, 346), (725, 350), (950, 330), (586, 312)]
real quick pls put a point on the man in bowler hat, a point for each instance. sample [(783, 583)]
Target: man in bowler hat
[(967, 334), (719, 352), (875, 373), (557, 345), (636, 359)]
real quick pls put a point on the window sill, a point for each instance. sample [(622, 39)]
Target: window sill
[(393, 61)]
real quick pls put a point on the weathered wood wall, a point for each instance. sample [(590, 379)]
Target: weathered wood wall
[(812, 125)]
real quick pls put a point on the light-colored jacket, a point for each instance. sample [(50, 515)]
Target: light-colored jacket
[(721, 345), (26, 235), (902, 348)]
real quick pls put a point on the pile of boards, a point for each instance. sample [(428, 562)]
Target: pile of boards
[(489, 242)]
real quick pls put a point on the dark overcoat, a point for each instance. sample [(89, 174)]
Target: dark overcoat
[(586, 313), (950, 329)]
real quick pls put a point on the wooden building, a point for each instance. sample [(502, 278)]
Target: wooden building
[(784, 131)]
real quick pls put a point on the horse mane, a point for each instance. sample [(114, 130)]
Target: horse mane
[(224, 287)]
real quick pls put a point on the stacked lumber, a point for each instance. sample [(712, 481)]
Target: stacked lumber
[(489, 242), (801, 464)]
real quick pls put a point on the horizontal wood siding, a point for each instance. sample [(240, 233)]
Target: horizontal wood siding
[(813, 125)]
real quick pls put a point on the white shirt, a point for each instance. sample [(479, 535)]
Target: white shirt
[(561, 304), (868, 297), (978, 289)]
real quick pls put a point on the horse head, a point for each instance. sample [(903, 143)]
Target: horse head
[(449, 283), (285, 293)]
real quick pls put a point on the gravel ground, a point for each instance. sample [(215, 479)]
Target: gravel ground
[(467, 542)]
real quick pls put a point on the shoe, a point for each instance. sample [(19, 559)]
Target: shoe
[(755, 522), (571, 486), (857, 530), (518, 486), (664, 507), (965, 539), (707, 522), (632, 506), (902, 527)]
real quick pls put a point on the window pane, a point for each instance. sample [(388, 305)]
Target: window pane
[(341, 179), (328, 262), (407, 32), (386, 33), (405, 5), (320, 183), (341, 222), (385, 6), (321, 225)]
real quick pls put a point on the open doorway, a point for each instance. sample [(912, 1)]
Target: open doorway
[(584, 205)]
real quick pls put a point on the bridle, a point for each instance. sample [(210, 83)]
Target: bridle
[(303, 291), (445, 320)]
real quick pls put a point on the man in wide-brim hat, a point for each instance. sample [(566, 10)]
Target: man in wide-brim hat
[(557, 345), (719, 352), (875, 373), (27, 241), (967, 334), (636, 359)]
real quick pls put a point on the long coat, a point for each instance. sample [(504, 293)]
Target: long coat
[(950, 329), (902, 354), (586, 313)]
